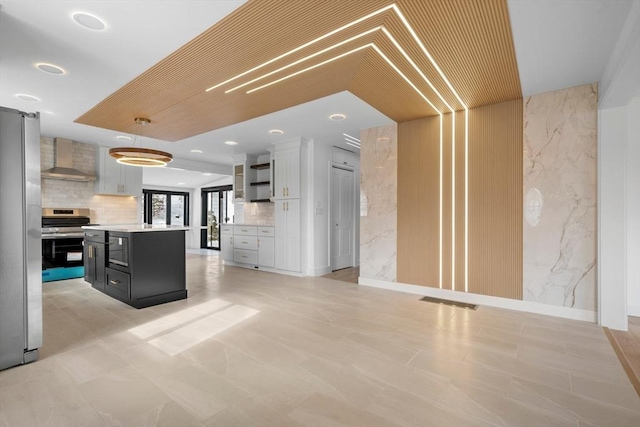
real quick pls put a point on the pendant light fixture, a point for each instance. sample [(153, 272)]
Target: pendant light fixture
[(144, 157)]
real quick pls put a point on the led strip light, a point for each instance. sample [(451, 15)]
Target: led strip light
[(404, 21), (305, 58), (329, 34)]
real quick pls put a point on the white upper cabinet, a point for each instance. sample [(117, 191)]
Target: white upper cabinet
[(115, 179), (286, 173)]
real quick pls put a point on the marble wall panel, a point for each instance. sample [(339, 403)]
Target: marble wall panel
[(378, 203), (559, 228)]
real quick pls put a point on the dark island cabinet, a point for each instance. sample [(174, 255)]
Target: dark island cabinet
[(152, 272), (95, 258)]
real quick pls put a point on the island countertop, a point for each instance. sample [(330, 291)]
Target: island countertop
[(136, 228)]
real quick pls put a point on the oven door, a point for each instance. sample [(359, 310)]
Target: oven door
[(62, 252)]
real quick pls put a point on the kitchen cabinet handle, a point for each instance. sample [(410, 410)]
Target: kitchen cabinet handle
[(283, 192), (114, 282), (245, 243)]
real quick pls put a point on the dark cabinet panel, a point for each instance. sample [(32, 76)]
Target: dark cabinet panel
[(118, 284), (95, 258)]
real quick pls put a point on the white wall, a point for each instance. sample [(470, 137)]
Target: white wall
[(318, 208), (632, 195), (612, 129), (618, 164)]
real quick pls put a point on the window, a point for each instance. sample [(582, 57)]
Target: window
[(165, 207)]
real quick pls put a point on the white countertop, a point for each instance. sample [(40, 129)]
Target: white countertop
[(136, 228)]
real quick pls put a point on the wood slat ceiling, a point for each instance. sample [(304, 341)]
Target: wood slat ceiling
[(470, 41)]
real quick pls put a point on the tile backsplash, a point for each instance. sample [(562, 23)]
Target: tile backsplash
[(73, 194), (259, 214)]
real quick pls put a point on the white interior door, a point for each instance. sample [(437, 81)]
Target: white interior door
[(342, 218)]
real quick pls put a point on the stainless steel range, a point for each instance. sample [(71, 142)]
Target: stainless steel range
[(62, 242)]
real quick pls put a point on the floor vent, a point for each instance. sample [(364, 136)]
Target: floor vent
[(449, 302)]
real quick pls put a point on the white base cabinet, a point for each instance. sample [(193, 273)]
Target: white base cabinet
[(266, 247), (226, 242), (248, 245), (287, 241)]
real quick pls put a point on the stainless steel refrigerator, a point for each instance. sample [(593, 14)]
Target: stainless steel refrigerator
[(20, 240)]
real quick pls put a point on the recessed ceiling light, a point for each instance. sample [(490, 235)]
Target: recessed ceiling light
[(26, 97), (337, 117), (89, 21), (197, 151), (207, 174), (50, 68), (231, 143), (123, 137), (276, 132)]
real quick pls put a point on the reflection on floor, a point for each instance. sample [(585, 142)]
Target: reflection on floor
[(252, 348), (627, 345), (350, 275), (205, 252)]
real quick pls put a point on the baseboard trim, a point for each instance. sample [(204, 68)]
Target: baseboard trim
[(633, 310), (322, 271), (262, 268), (511, 304)]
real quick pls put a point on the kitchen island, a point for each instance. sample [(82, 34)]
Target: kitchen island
[(141, 265)]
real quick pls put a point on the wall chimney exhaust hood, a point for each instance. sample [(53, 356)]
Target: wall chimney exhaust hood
[(63, 163)]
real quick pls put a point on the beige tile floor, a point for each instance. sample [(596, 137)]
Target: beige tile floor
[(257, 349)]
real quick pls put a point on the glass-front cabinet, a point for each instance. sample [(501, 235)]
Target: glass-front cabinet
[(238, 181)]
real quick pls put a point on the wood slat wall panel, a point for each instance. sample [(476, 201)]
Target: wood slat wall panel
[(495, 200), (470, 40), (418, 201)]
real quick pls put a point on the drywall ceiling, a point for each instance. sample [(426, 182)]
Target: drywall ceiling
[(562, 43), (179, 178)]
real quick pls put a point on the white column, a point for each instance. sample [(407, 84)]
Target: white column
[(612, 129)]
